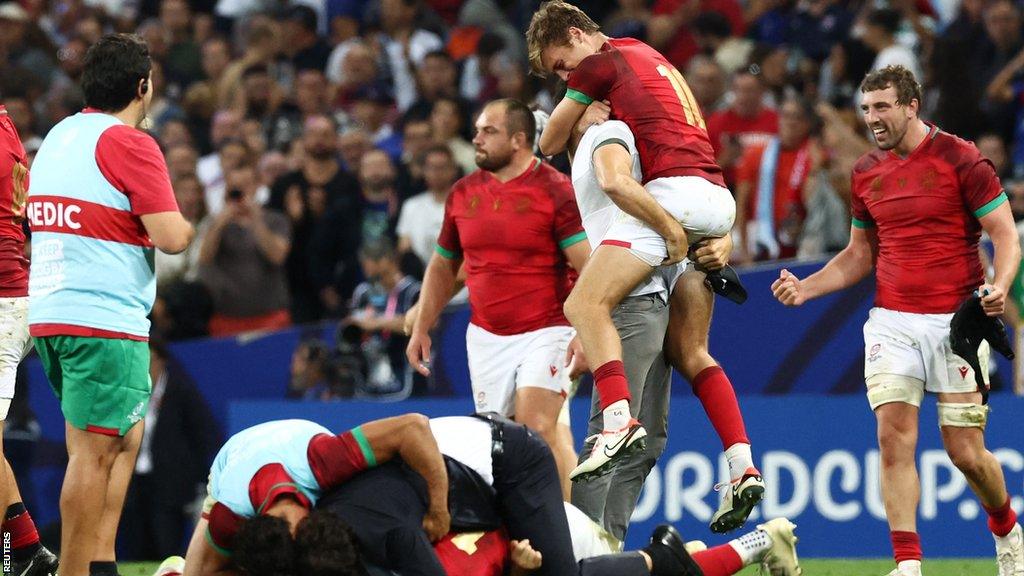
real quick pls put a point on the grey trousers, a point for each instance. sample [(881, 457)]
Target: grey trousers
[(609, 500)]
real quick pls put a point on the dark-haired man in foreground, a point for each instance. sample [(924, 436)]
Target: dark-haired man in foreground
[(100, 201)]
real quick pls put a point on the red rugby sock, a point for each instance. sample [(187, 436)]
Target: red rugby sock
[(905, 545), (719, 561), (610, 381), (1001, 519), (715, 392)]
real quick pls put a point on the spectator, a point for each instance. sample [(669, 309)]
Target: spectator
[(232, 154), (260, 96), (216, 58), (262, 45), (953, 99), (417, 136), (405, 46), (1002, 44), (352, 144), (352, 66), (161, 109), (175, 133), (184, 58), (226, 125), (992, 147), (377, 179), (770, 178), (243, 253), (629, 19), (421, 217), (447, 122), (371, 106), (436, 77), (178, 446), (826, 230), (303, 46), (670, 29), (713, 34), (707, 82), (817, 25), (745, 123), (880, 36), (378, 310), (24, 118), (181, 161), (307, 197), (312, 377), (183, 266)]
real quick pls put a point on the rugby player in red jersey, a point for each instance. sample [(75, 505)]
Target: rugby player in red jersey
[(515, 224), (677, 162), (28, 556), (919, 204)]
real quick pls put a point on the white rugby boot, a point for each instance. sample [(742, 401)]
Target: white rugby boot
[(738, 499), (173, 566), (608, 446), (1010, 553), (781, 559)]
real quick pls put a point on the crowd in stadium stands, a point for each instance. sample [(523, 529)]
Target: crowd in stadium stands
[(299, 132)]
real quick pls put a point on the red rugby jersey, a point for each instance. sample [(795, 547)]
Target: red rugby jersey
[(926, 209), (13, 191), (647, 93), (511, 235)]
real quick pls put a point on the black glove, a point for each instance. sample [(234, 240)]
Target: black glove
[(969, 327)]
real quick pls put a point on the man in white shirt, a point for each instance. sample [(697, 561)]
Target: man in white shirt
[(420, 220)]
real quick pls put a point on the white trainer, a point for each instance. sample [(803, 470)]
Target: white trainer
[(912, 570), (781, 559), (607, 447), (738, 501), (1010, 553)]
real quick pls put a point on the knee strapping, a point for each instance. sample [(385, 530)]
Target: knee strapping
[(887, 388), (963, 415)]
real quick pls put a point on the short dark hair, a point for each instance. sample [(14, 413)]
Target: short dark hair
[(439, 53), (380, 249), (325, 546), (713, 24), (304, 15), (885, 18), (519, 118), (113, 67), (439, 149), (264, 545), (898, 77)]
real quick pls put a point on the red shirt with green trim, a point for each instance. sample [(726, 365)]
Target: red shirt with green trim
[(287, 458), (13, 191), (647, 93), (926, 209), (511, 236)]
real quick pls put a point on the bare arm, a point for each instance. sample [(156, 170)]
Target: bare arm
[(845, 269), (439, 283), (273, 246), (1000, 89), (555, 137), (613, 167), (663, 27), (1000, 227), (577, 254), (409, 438), (169, 231), (202, 559), (211, 239)]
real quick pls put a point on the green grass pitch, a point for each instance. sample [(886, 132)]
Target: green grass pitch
[(811, 568)]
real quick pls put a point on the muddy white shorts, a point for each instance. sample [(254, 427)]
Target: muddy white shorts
[(500, 365), (15, 343), (706, 210), (917, 346)]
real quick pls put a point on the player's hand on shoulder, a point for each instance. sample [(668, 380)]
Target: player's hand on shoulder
[(523, 555), (596, 113), (418, 352), (436, 523), (993, 299), (788, 289)]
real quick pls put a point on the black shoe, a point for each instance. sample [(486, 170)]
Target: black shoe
[(667, 537), (42, 563), (726, 283)]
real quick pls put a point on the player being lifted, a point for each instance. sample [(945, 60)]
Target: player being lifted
[(919, 204), (678, 169)]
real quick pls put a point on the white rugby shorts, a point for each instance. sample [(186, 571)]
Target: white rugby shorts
[(500, 365), (15, 343), (917, 345), (705, 210)]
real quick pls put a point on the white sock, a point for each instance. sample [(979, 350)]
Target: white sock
[(740, 460), (911, 567), (752, 546), (616, 416)]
